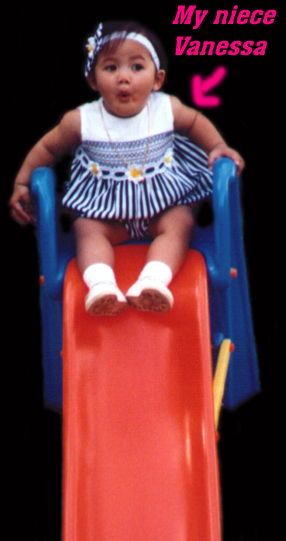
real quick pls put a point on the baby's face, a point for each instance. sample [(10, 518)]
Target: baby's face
[(126, 77)]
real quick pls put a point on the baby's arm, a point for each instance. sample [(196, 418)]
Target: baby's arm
[(60, 140), (202, 132)]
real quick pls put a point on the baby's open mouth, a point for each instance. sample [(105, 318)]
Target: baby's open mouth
[(124, 96)]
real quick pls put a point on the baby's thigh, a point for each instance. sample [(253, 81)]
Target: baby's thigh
[(177, 219), (88, 228)]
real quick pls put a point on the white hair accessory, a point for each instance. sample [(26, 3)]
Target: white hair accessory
[(93, 46), (96, 42)]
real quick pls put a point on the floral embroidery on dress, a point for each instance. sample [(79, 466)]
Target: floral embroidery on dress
[(135, 174), (101, 153), (168, 158), (95, 169)]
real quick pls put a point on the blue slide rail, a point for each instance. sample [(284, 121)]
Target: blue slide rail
[(221, 243)]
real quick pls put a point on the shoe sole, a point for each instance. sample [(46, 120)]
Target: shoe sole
[(106, 305), (150, 300)]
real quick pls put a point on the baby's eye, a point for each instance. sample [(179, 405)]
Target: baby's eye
[(110, 67), (137, 67)]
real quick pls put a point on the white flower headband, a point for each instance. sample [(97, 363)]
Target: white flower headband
[(96, 42)]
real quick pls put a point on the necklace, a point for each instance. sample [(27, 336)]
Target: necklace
[(135, 173)]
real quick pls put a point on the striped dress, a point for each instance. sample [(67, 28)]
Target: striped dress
[(131, 169)]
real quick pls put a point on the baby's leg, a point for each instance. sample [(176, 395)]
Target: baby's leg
[(95, 259), (171, 231), (95, 240)]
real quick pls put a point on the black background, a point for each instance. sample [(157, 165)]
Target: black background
[(44, 78)]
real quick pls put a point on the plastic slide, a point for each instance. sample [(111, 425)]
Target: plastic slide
[(140, 457)]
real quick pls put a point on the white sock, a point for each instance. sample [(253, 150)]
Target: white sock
[(157, 270), (97, 273)]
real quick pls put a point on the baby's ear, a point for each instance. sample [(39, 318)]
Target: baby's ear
[(91, 81), (159, 79)]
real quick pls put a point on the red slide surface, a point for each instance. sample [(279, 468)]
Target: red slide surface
[(140, 456)]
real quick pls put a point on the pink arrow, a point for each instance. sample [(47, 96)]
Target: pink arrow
[(200, 87)]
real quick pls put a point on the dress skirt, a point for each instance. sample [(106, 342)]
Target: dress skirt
[(182, 177)]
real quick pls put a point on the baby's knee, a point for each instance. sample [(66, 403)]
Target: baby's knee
[(176, 221), (184, 225), (89, 228), (181, 221), (186, 216), (86, 227)]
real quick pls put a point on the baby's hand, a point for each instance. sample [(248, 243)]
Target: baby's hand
[(22, 209), (223, 150)]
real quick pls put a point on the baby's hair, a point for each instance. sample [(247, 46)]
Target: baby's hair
[(110, 27)]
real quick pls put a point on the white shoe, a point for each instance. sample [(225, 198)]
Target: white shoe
[(150, 295), (105, 299)]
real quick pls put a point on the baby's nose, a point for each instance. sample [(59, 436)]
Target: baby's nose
[(123, 76)]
